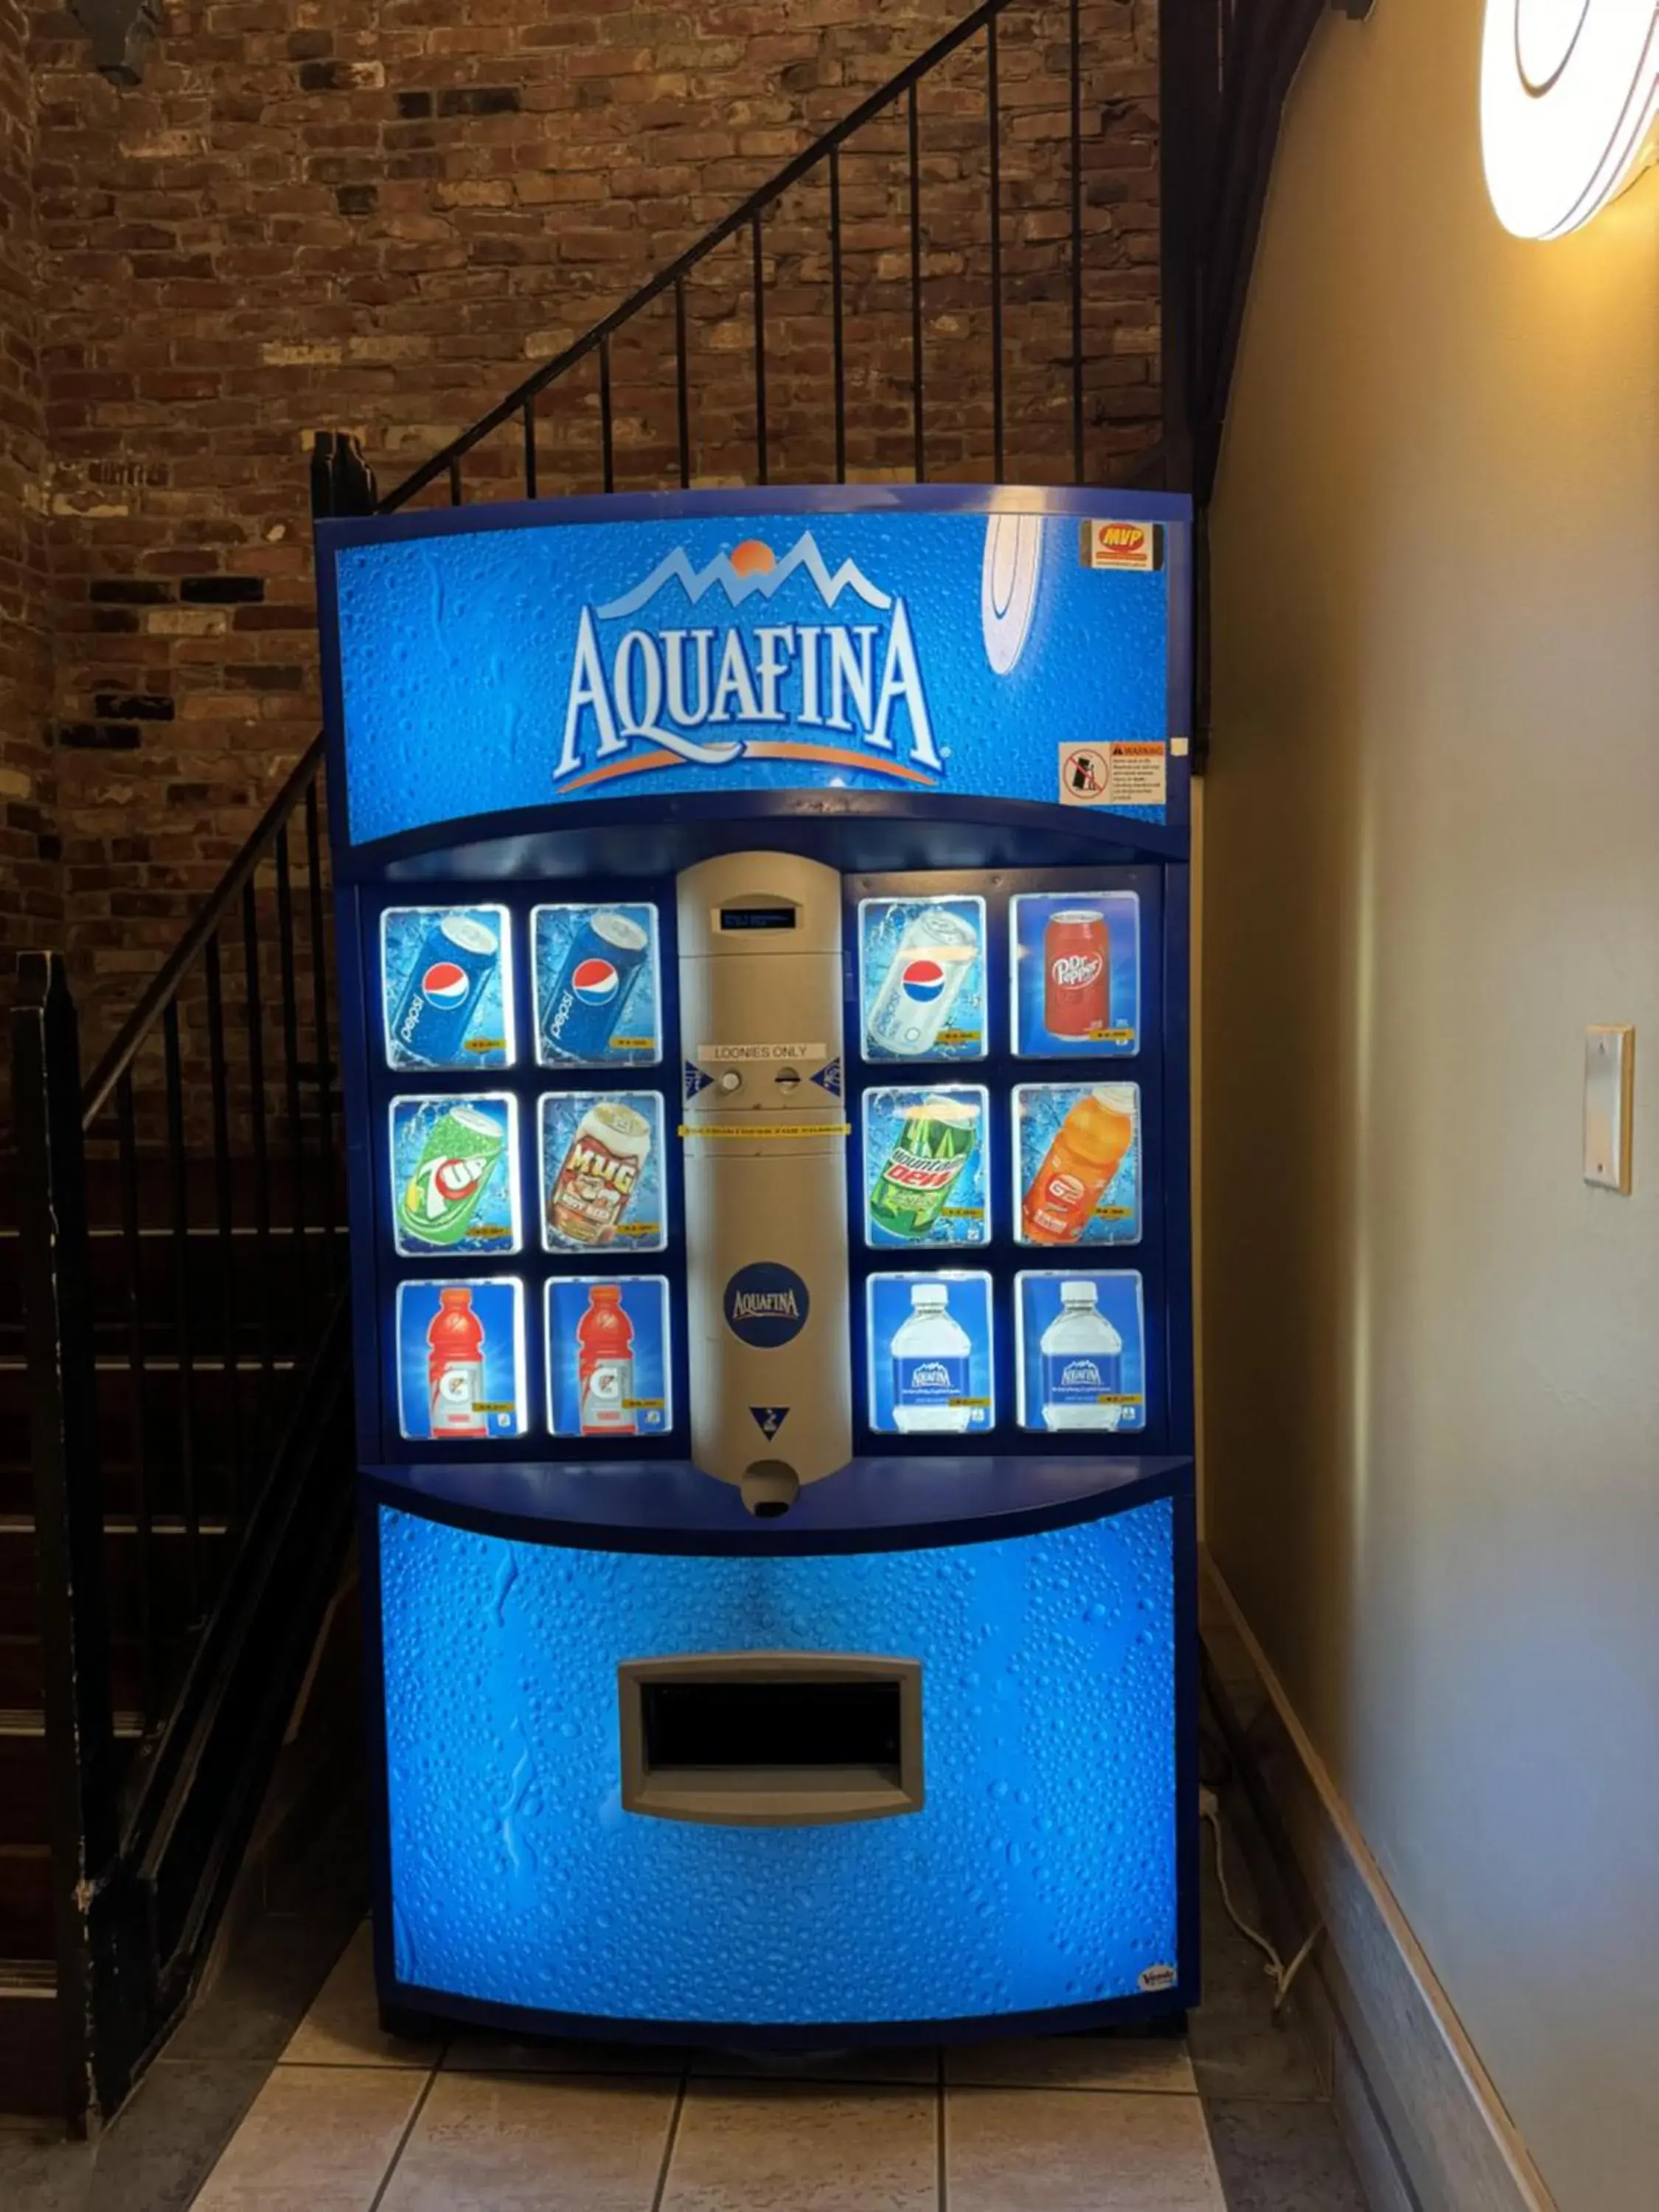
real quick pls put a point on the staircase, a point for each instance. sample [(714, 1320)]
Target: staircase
[(918, 294)]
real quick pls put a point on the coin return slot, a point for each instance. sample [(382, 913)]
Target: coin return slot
[(771, 1739)]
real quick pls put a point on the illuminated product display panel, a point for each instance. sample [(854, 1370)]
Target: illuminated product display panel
[(967, 1195), (585, 652), (565, 1168), (543, 1198)]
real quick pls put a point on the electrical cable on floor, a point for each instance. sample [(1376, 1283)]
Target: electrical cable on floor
[(1279, 1973)]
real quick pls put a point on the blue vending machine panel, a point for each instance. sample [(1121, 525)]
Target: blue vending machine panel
[(1039, 1876), (971, 702)]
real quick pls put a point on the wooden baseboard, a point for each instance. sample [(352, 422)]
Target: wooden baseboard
[(1427, 2128)]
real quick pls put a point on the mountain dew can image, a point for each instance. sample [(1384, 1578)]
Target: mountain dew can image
[(461, 1152), (935, 1140)]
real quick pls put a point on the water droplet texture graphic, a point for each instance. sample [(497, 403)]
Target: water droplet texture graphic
[(1040, 1872)]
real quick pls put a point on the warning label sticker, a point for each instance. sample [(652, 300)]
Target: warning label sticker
[(1131, 772)]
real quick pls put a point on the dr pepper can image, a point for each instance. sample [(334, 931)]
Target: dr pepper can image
[(1077, 974)]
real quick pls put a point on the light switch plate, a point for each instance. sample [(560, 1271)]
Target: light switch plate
[(1609, 1065)]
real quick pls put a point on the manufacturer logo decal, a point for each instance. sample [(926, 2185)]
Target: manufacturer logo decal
[(766, 1304), (1121, 545), (655, 681), (1157, 1977)]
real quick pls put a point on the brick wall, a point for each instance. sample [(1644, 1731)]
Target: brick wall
[(381, 216), (31, 902)]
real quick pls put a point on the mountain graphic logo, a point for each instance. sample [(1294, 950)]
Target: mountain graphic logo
[(750, 570)]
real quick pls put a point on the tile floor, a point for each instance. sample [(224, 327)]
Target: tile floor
[(348, 2119)]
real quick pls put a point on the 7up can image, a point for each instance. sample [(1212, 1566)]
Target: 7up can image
[(936, 1140), (452, 1175)]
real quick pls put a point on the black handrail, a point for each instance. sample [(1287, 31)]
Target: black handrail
[(124, 1050), (674, 275)]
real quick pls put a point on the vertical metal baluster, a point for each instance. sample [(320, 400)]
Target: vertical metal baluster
[(1077, 248), (760, 350), (319, 1016), (604, 415), (454, 483), (682, 393), (186, 1349), (919, 462), (222, 1207), (144, 1520), (994, 120), (296, 1157), (529, 450), (255, 1077), (835, 314), (66, 1489)]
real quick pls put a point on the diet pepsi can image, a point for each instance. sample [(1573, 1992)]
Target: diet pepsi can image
[(582, 1012), (934, 959), (458, 959)]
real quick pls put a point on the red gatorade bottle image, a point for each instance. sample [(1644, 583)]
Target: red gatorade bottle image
[(454, 1367), (604, 1365)]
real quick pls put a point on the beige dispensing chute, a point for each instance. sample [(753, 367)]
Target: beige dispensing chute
[(765, 1166)]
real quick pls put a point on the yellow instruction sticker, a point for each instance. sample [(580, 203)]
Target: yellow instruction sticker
[(768, 1129)]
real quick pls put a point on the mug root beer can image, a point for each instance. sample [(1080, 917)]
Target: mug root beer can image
[(1077, 974), (606, 1159)]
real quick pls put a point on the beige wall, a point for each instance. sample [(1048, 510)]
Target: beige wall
[(1432, 856)]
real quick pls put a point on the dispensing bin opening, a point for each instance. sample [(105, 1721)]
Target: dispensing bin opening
[(763, 1739)]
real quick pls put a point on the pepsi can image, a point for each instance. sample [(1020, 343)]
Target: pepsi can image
[(450, 969), (583, 1011), (934, 959)]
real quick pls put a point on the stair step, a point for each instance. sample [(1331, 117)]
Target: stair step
[(214, 1390), (169, 1570), (24, 1790), (26, 1930), (22, 1685), (30, 2068), (260, 1283)]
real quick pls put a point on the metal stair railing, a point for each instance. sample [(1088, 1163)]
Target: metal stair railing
[(897, 102)]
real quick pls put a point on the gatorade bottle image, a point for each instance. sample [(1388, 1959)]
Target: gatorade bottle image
[(604, 1365), (1082, 1357), (454, 1367), (1089, 1147)]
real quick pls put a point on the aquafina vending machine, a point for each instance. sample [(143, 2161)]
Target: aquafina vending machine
[(764, 929)]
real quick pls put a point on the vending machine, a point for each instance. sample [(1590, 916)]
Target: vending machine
[(762, 929)]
